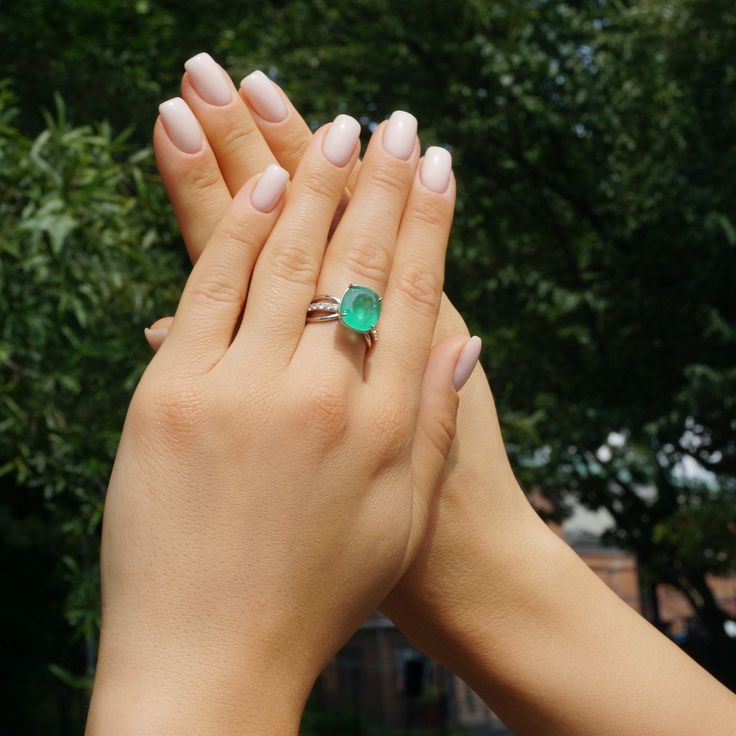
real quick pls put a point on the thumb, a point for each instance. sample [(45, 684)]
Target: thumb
[(449, 366), (157, 332)]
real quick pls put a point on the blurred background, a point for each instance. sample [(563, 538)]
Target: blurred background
[(594, 250)]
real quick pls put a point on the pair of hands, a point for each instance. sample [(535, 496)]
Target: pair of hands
[(274, 483)]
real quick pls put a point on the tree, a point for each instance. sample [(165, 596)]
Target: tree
[(88, 257), (594, 249), (595, 238)]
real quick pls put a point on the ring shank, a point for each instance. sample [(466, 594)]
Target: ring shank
[(326, 308)]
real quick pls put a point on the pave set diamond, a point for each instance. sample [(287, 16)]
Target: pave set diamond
[(323, 307)]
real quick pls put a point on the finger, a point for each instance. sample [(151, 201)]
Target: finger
[(190, 174), (215, 292), (361, 250), (449, 366), (282, 127), (414, 289), (286, 274), (157, 332), (238, 145)]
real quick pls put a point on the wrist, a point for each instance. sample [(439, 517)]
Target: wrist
[(121, 710), (152, 691), (471, 574), (552, 649), (122, 713)]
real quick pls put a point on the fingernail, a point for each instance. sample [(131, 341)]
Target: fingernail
[(181, 125), (269, 188), (436, 169), (466, 362), (400, 135), (156, 336), (340, 140), (263, 94), (209, 80)]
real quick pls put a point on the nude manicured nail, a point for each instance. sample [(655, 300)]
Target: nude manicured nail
[(466, 362), (400, 134), (263, 94), (436, 169), (339, 143), (156, 336), (181, 125), (269, 188), (209, 80)]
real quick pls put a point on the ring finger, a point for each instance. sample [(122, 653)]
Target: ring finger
[(286, 275), (361, 250)]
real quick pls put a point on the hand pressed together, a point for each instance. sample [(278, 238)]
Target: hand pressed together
[(277, 480), (274, 479), (257, 125)]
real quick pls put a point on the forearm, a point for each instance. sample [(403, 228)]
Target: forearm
[(553, 650), (118, 710), (147, 687)]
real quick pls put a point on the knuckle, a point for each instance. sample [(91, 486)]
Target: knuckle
[(237, 136), (237, 234), (204, 178), (317, 184), (390, 179), (442, 432), (171, 408), (367, 256), (217, 288), (292, 143), (420, 286), (427, 214), (291, 261), (391, 423), (324, 409)]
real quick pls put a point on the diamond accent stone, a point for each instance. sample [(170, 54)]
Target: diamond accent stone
[(323, 307)]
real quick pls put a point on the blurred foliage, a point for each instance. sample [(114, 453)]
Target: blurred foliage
[(594, 248), (89, 253)]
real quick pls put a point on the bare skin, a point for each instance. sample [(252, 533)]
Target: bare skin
[(254, 442), (492, 592)]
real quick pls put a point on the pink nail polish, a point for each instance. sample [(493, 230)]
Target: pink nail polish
[(264, 96), (208, 80), (436, 169), (269, 188), (339, 143), (466, 362), (400, 134), (156, 336), (181, 125)]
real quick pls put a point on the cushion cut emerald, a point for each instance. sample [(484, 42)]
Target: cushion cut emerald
[(360, 308)]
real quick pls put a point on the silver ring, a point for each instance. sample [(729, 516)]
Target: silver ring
[(358, 309)]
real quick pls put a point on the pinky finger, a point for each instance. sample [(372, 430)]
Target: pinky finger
[(414, 289), (157, 332)]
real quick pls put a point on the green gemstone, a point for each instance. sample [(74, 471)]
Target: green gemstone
[(360, 308)]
